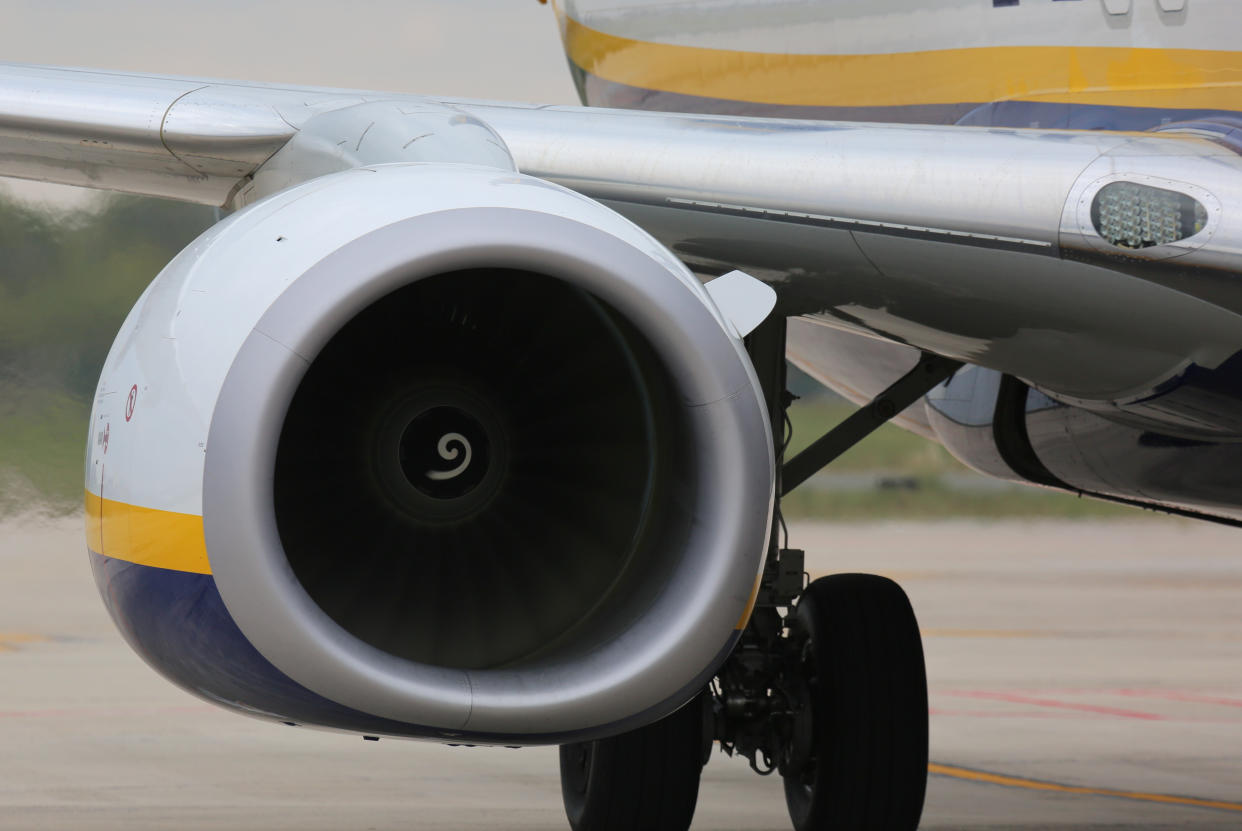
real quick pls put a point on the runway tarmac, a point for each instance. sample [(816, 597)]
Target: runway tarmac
[(1083, 676)]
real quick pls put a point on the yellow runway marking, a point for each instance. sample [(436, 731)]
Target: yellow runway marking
[(1039, 785), (10, 641)]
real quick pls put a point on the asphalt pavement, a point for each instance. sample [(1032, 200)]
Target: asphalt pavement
[(1083, 676)]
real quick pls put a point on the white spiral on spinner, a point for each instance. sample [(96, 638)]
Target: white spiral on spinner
[(448, 454)]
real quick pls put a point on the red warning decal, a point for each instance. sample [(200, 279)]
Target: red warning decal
[(131, 402)]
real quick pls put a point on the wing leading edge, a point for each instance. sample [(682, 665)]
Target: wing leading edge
[(973, 243)]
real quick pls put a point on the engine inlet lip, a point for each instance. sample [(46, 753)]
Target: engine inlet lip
[(686, 630)]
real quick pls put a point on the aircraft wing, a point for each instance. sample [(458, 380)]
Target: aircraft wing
[(1093, 265)]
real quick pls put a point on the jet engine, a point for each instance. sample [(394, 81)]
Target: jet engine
[(431, 450)]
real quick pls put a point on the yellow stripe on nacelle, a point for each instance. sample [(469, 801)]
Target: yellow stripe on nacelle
[(146, 536), (1098, 75), (750, 604)]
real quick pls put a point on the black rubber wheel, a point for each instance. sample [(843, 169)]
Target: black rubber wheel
[(863, 663), (646, 779)]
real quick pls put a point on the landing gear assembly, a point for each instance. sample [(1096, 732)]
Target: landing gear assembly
[(826, 685)]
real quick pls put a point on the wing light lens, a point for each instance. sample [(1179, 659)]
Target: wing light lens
[(1129, 215)]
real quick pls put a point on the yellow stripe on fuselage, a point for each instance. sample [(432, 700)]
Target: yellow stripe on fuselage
[(146, 536), (1112, 76)]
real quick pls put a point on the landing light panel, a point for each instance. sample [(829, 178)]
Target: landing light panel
[(1130, 215)]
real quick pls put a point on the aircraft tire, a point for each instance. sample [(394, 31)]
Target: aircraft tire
[(868, 691), (645, 779)]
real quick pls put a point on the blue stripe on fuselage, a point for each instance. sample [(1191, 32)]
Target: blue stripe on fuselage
[(601, 93)]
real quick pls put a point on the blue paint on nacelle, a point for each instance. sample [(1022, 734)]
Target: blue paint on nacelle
[(178, 623)]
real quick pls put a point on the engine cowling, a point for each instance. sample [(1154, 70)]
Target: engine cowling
[(430, 450)]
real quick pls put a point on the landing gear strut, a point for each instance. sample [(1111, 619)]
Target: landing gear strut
[(826, 685)]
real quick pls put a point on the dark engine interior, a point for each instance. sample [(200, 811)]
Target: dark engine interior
[(475, 472)]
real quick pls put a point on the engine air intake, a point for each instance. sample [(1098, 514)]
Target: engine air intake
[(474, 468), (490, 465)]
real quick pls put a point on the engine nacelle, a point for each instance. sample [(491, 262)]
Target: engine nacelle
[(430, 450)]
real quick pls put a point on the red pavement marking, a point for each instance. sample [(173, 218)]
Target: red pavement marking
[(938, 711), (1015, 698), (1177, 695)]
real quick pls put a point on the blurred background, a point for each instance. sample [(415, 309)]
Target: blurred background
[(72, 262), (1100, 654)]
